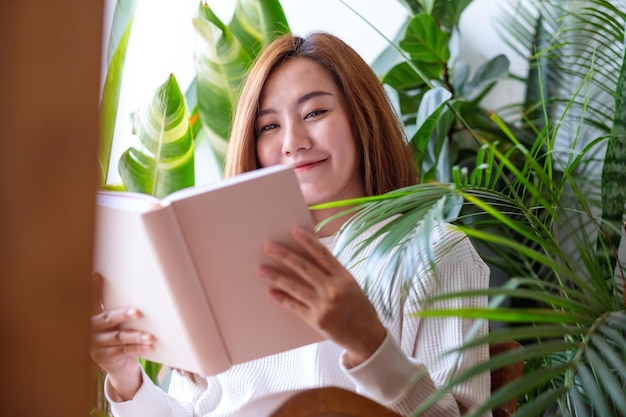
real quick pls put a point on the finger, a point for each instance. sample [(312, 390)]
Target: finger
[(299, 265), (122, 337), (293, 287), (290, 303), (97, 284), (107, 354), (113, 318)]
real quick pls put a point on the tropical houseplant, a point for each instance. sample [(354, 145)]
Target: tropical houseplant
[(498, 180), (551, 220)]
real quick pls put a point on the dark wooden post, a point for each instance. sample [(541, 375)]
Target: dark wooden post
[(50, 54)]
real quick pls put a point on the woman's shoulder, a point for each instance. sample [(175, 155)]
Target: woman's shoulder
[(456, 249)]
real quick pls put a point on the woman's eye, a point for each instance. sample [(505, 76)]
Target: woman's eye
[(314, 113), (267, 127)]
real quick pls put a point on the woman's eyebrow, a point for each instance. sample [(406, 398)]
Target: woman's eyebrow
[(312, 94), (300, 100)]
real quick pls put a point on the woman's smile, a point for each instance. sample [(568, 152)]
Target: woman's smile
[(303, 121), (308, 165)]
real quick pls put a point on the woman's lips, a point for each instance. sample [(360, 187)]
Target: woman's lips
[(306, 165)]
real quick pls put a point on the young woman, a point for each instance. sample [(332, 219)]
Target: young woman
[(314, 103)]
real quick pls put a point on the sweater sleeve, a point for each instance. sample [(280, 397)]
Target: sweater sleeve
[(409, 366), (150, 400), (392, 378)]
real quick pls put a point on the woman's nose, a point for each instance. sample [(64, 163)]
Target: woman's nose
[(296, 138)]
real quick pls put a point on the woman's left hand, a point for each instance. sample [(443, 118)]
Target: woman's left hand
[(325, 295)]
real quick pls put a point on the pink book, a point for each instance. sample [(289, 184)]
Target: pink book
[(188, 262)]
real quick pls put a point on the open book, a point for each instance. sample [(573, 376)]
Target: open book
[(188, 263)]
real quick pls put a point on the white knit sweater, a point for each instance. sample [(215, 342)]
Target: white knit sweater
[(413, 347)]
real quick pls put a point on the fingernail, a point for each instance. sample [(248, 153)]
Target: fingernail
[(300, 231), (132, 312), (146, 337)]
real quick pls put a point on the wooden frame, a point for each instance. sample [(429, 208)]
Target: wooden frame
[(49, 78)]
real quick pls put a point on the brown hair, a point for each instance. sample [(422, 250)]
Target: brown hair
[(387, 162)]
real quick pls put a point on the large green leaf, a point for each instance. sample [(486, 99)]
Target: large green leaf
[(256, 23), (116, 54), (431, 131), (614, 178), (221, 65), (425, 41), (448, 12), (404, 77), (223, 57), (166, 162), (484, 78)]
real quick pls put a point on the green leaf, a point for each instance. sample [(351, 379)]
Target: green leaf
[(546, 400), (590, 385), (485, 77), (425, 41), (448, 12), (152, 369), (256, 23), (611, 384), (427, 119), (431, 105), (221, 66), (166, 163), (614, 178), (437, 162), (509, 315), (223, 57), (403, 77), (611, 353), (521, 293), (116, 54)]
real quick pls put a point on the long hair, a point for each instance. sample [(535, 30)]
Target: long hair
[(387, 162)]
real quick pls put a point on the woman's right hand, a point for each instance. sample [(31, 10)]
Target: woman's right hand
[(116, 349)]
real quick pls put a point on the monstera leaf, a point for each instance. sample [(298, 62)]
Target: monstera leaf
[(166, 161)]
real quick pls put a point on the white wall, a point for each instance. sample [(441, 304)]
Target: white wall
[(162, 42)]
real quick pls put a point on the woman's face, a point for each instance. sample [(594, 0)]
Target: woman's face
[(303, 121)]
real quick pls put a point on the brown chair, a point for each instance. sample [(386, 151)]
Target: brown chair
[(504, 375), (338, 402), (331, 402)]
